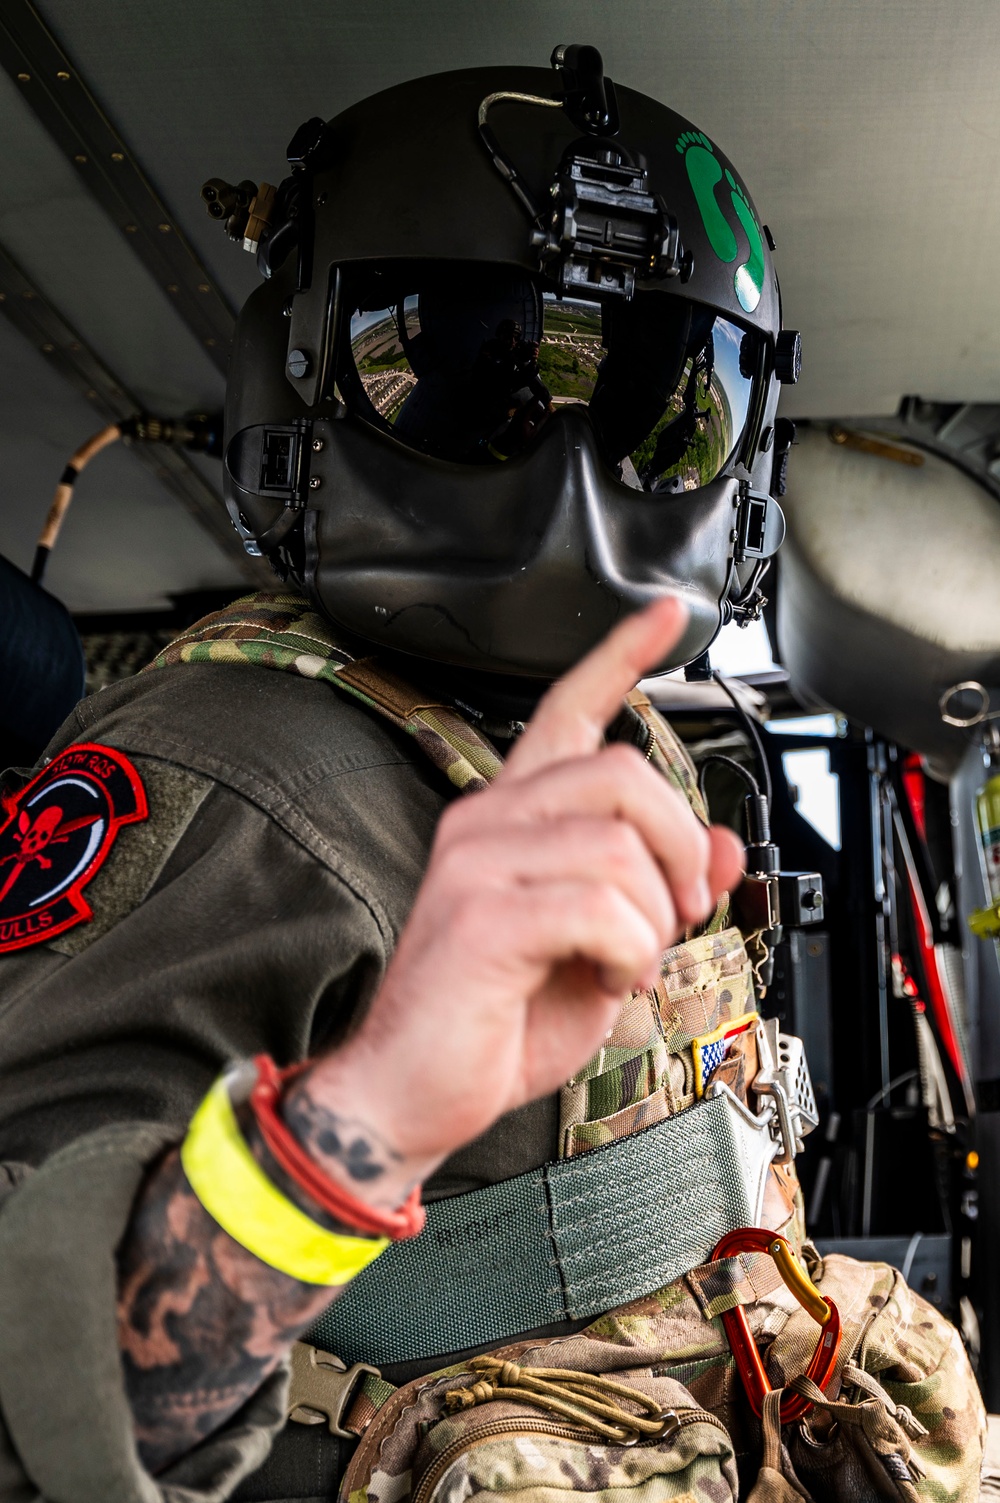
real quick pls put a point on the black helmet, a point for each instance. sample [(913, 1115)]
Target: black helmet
[(518, 377)]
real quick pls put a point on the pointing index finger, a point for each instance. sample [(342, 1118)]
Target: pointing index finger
[(571, 719)]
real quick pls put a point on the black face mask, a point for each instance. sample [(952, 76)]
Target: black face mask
[(469, 365), (515, 568)]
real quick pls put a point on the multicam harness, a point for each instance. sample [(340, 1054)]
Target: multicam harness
[(681, 1129)]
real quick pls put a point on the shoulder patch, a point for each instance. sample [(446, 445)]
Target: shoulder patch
[(55, 837)]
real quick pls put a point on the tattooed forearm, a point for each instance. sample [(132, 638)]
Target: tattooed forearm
[(352, 1152), (201, 1321)]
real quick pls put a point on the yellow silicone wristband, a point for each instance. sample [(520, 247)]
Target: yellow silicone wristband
[(236, 1193)]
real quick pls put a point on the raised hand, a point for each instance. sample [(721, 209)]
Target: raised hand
[(548, 897)]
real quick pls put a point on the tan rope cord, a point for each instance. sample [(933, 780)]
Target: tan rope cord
[(584, 1398), (858, 1378)]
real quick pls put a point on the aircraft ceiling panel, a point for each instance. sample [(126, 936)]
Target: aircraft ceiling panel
[(127, 543), (76, 257)]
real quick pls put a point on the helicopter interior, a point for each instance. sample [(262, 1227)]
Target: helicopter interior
[(872, 135)]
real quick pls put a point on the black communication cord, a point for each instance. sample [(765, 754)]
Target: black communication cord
[(758, 820), (722, 761), (754, 734)]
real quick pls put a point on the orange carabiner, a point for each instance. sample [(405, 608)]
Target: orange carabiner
[(741, 1342)]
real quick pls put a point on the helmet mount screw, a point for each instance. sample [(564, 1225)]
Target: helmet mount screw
[(317, 445), (298, 364), (314, 482)]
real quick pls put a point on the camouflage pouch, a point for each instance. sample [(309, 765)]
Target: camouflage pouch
[(904, 1419), (525, 1434)]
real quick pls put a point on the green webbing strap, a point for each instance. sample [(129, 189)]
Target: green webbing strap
[(567, 1241)]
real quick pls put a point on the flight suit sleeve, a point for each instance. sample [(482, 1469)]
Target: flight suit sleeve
[(239, 941), (66, 1431)]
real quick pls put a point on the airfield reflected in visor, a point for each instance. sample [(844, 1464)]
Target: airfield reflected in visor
[(470, 366)]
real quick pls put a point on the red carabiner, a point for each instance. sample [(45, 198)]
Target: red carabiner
[(741, 1342)]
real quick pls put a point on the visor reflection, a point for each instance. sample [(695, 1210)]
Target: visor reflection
[(472, 377)]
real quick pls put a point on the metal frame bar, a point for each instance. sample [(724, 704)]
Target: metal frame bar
[(40, 323), (64, 105)]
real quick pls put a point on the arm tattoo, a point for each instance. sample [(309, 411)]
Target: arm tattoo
[(201, 1321), (351, 1152)]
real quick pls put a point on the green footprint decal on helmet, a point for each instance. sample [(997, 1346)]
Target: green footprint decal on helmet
[(705, 174)]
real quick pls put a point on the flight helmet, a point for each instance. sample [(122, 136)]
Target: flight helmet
[(513, 370)]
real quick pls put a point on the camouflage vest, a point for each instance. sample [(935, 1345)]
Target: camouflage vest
[(911, 1423)]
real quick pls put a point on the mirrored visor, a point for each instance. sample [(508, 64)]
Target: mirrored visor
[(470, 367)]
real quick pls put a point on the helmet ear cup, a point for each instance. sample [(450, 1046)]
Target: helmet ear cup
[(257, 394)]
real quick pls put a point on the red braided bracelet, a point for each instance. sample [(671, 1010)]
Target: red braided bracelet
[(297, 1164)]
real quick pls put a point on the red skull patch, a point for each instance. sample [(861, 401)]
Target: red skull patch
[(56, 836)]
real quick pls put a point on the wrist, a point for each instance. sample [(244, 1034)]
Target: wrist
[(351, 1127), (342, 1139), (228, 1180)]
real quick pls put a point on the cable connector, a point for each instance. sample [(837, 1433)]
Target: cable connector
[(200, 432)]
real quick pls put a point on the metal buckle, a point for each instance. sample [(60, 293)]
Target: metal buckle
[(322, 1388), (756, 1137), (741, 1342), (784, 1078)]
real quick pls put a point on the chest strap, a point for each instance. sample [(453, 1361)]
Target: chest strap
[(564, 1242)]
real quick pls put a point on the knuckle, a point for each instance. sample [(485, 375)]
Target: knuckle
[(624, 848), (605, 900)]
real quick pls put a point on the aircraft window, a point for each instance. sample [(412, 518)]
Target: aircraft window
[(815, 790)]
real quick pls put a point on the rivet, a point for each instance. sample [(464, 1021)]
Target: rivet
[(164, 229), (28, 294), (118, 156), (130, 229), (48, 348), (204, 287), (62, 76), (3, 297), (210, 342), (92, 394), (24, 78), (317, 446), (80, 158), (315, 482), (76, 345), (172, 287)]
